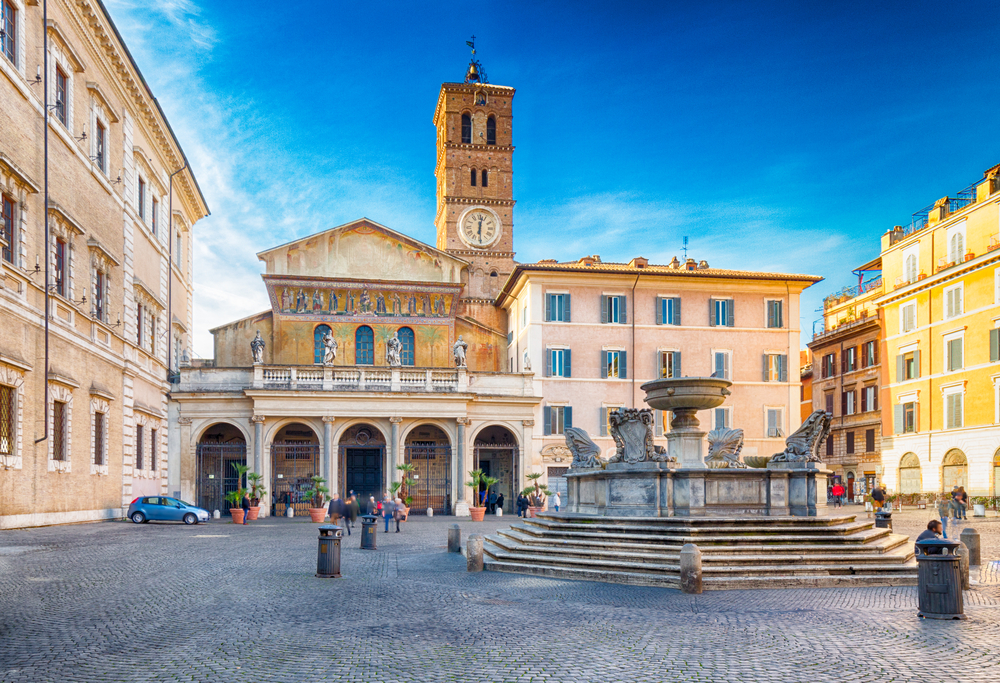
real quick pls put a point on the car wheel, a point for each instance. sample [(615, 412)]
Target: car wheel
[(138, 517), (190, 518)]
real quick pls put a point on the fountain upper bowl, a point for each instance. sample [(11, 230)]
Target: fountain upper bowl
[(698, 393)]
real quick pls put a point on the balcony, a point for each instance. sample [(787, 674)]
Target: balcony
[(847, 325), (847, 293)]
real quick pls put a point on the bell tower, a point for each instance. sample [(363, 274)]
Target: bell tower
[(474, 172)]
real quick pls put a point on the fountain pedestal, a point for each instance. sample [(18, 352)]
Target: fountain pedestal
[(685, 439)]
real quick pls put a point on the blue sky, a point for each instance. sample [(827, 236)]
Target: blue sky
[(777, 136)]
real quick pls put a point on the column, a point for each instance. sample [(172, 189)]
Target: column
[(394, 449), (258, 441), (458, 469), (329, 468), (525, 456)]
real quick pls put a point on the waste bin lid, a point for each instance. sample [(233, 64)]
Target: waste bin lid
[(329, 529), (369, 517), (935, 546)]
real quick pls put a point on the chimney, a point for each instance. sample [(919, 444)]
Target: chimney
[(638, 262)]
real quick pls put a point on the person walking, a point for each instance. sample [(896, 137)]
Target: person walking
[(338, 509), (353, 511), (500, 502), (388, 507), (558, 501), (963, 502), (245, 504), (491, 499), (944, 507), (522, 505), (878, 495), (954, 503), (397, 512), (372, 506), (838, 495)]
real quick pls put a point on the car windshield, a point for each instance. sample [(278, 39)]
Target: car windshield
[(174, 501)]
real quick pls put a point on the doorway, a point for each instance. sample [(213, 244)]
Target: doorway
[(495, 453), (362, 459), (221, 446), (429, 451), (295, 457)]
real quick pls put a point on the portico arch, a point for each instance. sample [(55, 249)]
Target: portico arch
[(954, 470), (495, 451), (427, 447), (221, 445), (295, 460), (361, 448), (910, 480), (996, 473)]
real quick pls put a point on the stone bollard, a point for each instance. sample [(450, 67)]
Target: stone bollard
[(963, 559), (474, 553), (690, 569), (216, 515), (970, 537), (455, 539), (430, 512)]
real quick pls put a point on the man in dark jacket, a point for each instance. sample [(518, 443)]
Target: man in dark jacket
[(353, 510), (934, 529), (245, 504), (338, 509), (878, 495)]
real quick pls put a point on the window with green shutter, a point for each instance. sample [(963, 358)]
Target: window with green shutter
[(955, 354), (668, 311), (994, 345)]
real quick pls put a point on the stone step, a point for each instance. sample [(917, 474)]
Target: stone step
[(859, 536), (647, 526), (819, 521)]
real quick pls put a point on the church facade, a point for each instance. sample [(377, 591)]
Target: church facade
[(378, 350)]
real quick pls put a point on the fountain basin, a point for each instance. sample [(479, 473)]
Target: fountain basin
[(692, 393)]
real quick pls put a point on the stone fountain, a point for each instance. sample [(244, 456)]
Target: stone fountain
[(641, 480)]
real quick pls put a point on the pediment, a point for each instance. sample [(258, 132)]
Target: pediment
[(363, 249)]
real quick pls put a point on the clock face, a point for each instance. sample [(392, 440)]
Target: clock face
[(480, 228)]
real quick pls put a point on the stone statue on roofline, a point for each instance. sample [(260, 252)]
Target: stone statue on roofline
[(329, 348), (257, 349), (458, 350)]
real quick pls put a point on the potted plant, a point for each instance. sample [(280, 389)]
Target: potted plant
[(969, 255), (257, 491), (235, 499), (316, 495), (979, 506), (477, 510), (407, 468), (536, 494)]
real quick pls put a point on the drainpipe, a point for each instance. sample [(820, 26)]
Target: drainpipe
[(633, 339), (45, 211), (170, 271)]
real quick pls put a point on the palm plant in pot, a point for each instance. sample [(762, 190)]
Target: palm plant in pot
[(537, 494), (317, 494), (478, 510), (407, 468), (235, 500), (257, 491)]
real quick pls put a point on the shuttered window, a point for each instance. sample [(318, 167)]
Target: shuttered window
[(908, 317), (774, 423), (775, 367), (869, 441), (908, 366), (99, 420), (904, 418), (613, 364), (953, 302), (869, 354), (668, 310), (670, 363), (58, 430), (956, 359), (613, 309), (557, 308), (849, 441), (720, 418), (953, 407), (994, 345), (774, 314), (721, 313), (558, 363), (557, 419), (721, 365)]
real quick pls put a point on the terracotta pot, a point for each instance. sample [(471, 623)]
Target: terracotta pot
[(970, 256), (254, 511), (533, 511), (317, 515), (406, 513), (477, 514), (237, 514)]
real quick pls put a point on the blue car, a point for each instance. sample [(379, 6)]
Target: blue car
[(162, 509)]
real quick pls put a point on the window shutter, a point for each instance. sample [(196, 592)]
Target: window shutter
[(949, 417), (604, 309), (843, 362), (547, 412), (949, 307), (602, 415), (994, 345), (899, 368), (604, 364), (660, 303), (622, 310), (782, 368), (873, 404), (897, 419), (765, 366), (548, 307), (567, 417), (711, 313), (916, 364), (843, 403), (779, 308), (677, 364), (677, 311), (874, 353), (869, 440), (548, 362), (658, 417), (623, 365), (567, 355), (959, 307), (864, 399), (566, 317), (953, 363), (731, 312)]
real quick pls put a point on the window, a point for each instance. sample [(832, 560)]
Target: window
[(721, 364), (829, 402), (908, 317), (849, 402), (774, 314), (491, 132), (775, 367), (953, 413), (829, 365), (407, 355), (472, 177), (775, 422), (910, 268), (559, 363), (557, 419), (486, 178), (139, 455), (849, 359), (668, 311), (605, 418), (99, 287), (99, 420), (829, 445), (8, 26), (61, 102), (720, 312), (953, 304), (849, 438), (140, 324), (364, 346), (613, 309), (152, 449), (60, 274), (994, 345), (152, 217), (613, 364), (557, 308), (954, 359), (869, 398), (908, 366), (319, 348), (956, 243), (7, 229), (905, 418), (178, 251), (101, 142), (141, 199), (869, 441), (466, 130), (7, 416), (59, 430), (524, 316), (670, 364), (869, 354), (720, 418)]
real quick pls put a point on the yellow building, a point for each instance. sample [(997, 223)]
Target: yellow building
[(942, 345)]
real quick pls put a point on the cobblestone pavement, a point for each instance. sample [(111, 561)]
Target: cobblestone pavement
[(217, 602)]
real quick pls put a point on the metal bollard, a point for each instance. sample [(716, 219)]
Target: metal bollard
[(328, 558), (369, 528), (883, 520), (939, 580), (289, 511), (970, 537), (474, 553), (455, 539), (691, 569)]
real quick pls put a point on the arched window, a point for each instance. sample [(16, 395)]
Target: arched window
[(364, 346), (956, 247), (491, 131), (406, 339), (910, 268), (466, 129), (318, 349), (486, 178), (472, 178)]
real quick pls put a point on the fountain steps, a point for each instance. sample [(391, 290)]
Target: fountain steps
[(736, 553)]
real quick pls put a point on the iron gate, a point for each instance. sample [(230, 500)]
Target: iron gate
[(502, 464), (216, 474), (431, 485), (293, 465)]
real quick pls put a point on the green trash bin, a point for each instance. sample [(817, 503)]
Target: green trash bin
[(369, 527), (328, 557), (939, 579)]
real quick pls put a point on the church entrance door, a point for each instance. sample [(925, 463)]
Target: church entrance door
[(363, 472)]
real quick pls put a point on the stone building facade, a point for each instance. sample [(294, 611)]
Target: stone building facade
[(118, 257)]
